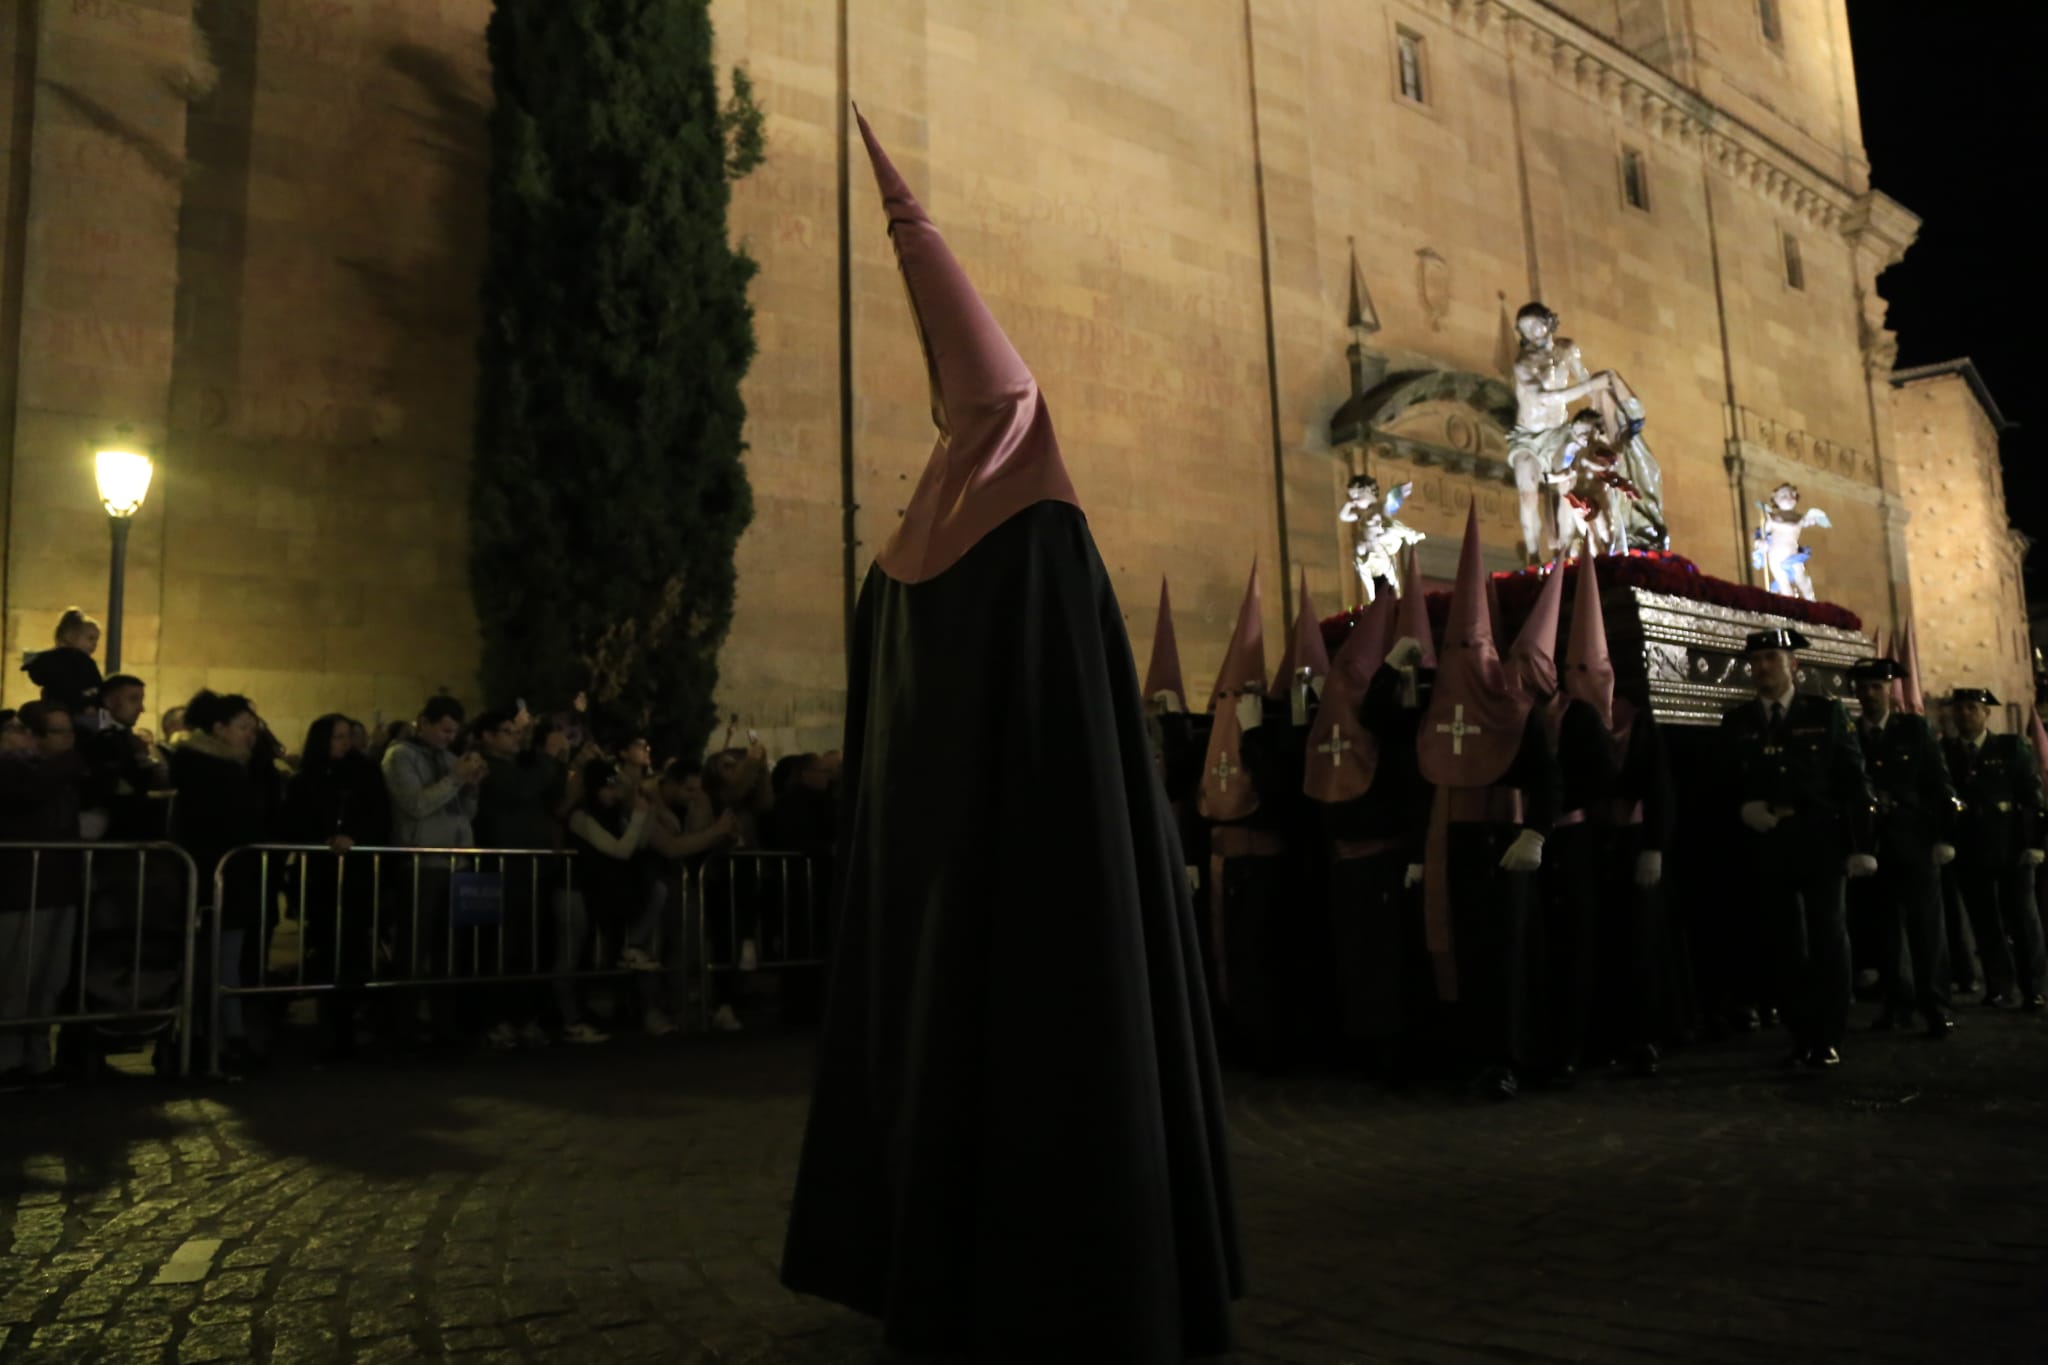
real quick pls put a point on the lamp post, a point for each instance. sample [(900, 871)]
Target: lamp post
[(123, 470)]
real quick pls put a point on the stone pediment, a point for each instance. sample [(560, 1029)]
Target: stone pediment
[(1452, 419)]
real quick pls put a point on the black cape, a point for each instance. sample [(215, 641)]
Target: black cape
[(1016, 1140)]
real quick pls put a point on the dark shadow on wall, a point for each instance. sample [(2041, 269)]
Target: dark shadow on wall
[(429, 297)]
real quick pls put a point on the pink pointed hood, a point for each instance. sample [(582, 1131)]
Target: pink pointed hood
[(1342, 754), (2037, 734), (1163, 673), (1532, 661), (1473, 728), (1588, 668), (996, 453), (1909, 659), (1226, 793), (1305, 648), (1414, 617), (1244, 658)]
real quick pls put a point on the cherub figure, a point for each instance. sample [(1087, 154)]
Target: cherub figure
[(1775, 548), (1381, 538)]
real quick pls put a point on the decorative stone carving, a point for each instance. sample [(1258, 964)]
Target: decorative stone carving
[(1433, 287)]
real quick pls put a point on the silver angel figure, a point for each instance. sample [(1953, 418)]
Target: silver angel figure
[(1775, 548), (1381, 537)]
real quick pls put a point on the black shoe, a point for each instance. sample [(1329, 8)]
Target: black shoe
[(1821, 1058), (1999, 1000), (1798, 1056), (1888, 1021), (2035, 1003), (1940, 1026), (1769, 1018), (1748, 1021), (1643, 1061)]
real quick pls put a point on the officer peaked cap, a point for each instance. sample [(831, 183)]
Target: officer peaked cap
[(1875, 670), (1780, 638), (1976, 694)]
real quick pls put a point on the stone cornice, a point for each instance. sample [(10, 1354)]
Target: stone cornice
[(1664, 109), (1756, 459)]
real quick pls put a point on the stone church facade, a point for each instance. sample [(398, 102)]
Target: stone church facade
[(250, 228)]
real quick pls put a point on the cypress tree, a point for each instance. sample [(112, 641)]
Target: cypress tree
[(609, 492)]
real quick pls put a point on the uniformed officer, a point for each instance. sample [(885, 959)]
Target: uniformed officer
[(1998, 845), (1799, 783), (1916, 809)]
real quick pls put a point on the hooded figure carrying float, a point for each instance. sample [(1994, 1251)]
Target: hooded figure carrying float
[(1016, 1144)]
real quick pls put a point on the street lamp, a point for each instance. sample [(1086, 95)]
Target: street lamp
[(124, 471)]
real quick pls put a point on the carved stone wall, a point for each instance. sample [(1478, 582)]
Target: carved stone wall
[(1154, 196), (1969, 604)]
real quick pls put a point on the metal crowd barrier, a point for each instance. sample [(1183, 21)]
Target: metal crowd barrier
[(470, 888), (419, 936), (100, 915)]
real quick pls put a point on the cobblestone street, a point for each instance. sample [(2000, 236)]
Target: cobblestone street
[(626, 1203)]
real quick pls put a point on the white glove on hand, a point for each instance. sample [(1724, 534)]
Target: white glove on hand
[(1251, 710), (1860, 865), (1944, 854), (1194, 878), (1167, 702), (1525, 854), (1757, 815), (1413, 877), (1406, 653), (2033, 857), (1649, 867)]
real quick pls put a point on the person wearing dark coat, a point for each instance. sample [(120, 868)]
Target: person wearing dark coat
[(1798, 782), (223, 804), (1999, 838), (68, 674), (336, 799), (1015, 1149), (1916, 815), (40, 893)]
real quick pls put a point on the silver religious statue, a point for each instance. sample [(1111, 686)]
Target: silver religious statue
[(1550, 375), (1381, 537), (1595, 494), (1776, 549)]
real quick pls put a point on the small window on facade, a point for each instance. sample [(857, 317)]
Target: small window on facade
[(1795, 268), (1635, 182), (1408, 52), (1767, 20)]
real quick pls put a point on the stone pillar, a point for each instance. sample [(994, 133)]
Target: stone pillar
[(106, 138), (1879, 233)]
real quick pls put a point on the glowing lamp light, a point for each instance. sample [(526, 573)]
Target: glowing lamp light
[(124, 477)]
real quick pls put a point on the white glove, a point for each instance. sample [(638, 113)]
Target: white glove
[(1194, 878), (1406, 653), (1757, 815), (1860, 865), (1525, 854), (1167, 702), (1251, 710), (2033, 857), (1944, 854), (1649, 867), (1413, 878)]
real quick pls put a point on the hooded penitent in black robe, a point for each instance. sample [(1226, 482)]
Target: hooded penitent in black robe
[(1016, 1146)]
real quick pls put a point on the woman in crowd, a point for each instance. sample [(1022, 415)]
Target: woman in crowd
[(222, 805), (606, 832), (40, 772), (337, 798)]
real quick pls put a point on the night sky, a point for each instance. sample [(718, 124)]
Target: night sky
[(1952, 100)]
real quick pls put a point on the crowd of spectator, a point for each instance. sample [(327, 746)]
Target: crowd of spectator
[(514, 790)]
